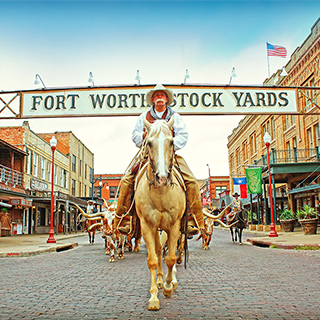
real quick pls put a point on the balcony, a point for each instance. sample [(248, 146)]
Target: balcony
[(11, 177), (293, 156)]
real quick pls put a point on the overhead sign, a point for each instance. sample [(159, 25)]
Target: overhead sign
[(131, 100)]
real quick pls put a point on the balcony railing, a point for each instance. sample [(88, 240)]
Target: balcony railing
[(11, 177), (290, 156)]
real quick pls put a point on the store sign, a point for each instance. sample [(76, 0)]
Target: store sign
[(131, 100), (38, 185), (21, 202)]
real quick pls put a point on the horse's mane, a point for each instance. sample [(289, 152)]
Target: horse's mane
[(157, 127)]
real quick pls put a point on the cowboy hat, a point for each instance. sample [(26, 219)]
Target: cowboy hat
[(160, 87), (236, 194), (90, 201)]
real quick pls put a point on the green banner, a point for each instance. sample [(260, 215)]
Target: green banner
[(254, 180)]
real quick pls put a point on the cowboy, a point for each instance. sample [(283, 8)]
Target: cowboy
[(159, 99), (236, 206)]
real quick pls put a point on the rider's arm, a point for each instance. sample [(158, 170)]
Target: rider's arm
[(180, 132), (137, 133)]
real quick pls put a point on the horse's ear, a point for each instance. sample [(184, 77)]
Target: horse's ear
[(146, 123), (171, 122)]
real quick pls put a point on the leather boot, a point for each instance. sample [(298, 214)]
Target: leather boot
[(195, 204), (126, 191)]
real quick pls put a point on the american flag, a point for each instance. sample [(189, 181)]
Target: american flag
[(276, 51)]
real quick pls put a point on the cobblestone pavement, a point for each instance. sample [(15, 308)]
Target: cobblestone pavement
[(226, 282)]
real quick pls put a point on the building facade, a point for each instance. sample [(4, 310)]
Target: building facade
[(73, 163), (294, 155)]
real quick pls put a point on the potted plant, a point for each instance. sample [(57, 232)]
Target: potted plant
[(308, 218), (288, 220), (252, 220)]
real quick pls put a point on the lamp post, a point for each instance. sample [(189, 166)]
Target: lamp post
[(138, 78), (209, 183), (267, 140), (90, 79), (101, 185), (38, 80), (186, 76), (53, 143), (233, 74)]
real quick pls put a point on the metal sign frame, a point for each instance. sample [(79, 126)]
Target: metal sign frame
[(129, 100)]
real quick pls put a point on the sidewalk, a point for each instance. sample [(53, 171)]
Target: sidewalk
[(33, 244), (285, 240)]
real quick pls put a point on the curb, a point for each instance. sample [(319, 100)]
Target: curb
[(264, 243), (30, 253)]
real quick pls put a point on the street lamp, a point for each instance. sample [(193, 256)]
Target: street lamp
[(209, 183), (233, 74), (186, 76), (91, 80), (138, 78), (267, 140), (38, 80), (53, 143), (101, 185)]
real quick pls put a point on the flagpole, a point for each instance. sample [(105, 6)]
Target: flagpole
[(268, 61)]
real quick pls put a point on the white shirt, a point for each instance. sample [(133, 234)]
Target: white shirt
[(180, 131)]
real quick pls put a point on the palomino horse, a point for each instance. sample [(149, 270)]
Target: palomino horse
[(160, 203)]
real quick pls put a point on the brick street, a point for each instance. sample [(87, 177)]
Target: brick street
[(226, 282)]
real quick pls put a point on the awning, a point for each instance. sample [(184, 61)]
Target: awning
[(6, 205)]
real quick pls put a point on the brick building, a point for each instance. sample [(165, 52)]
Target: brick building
[(295, 161), (73, 166)]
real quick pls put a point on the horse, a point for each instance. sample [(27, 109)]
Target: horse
[(238, 222), (160, 203)]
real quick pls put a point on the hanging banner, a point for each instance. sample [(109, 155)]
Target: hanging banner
[(131, 100)]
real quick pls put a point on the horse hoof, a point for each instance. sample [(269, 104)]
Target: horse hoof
[(168, 292), (111, 259), (154, 305), (240, 243), (159, 284), (179, 261), (175, 285), (232, 241)]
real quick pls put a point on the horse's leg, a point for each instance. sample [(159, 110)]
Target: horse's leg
[(93, 234), (174, 278), (158, 248), (240, 236), (89, 233), (173, 237), (129, 242), (231, 230), (180, 249), (121, 243), (149, 239)]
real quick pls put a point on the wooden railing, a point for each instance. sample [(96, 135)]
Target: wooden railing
[(11, 177), (290, 156)]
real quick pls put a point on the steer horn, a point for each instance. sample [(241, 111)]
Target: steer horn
[(209, 215), (90, 216), (98, 224)]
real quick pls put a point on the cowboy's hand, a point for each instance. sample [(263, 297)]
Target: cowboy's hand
[(144, 135)]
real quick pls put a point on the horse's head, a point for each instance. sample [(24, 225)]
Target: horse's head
[(159, 142)]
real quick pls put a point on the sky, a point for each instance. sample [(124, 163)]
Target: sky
[(63, 41)]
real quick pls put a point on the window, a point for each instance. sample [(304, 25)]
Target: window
[(288, 145), (231, 162), (41, 219), (245, 150), (35, 164), (73, 163), (80, 167), (65, 179), (316, 135), (73, 187), (90, 173), (310, 141), (238, 156), (55, 174), (43, 169), (253, 144), (26, 161), (294, 142), (30, 162), (219, 189), (79, 189), (273, 128), (85, 171), (112, 191), (49, 167), (61, 177)]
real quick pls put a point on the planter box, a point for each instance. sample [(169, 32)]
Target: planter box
[(278, 228), (266, 228), (259, 227), (252, 227), (288, 225), (309, 226)]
